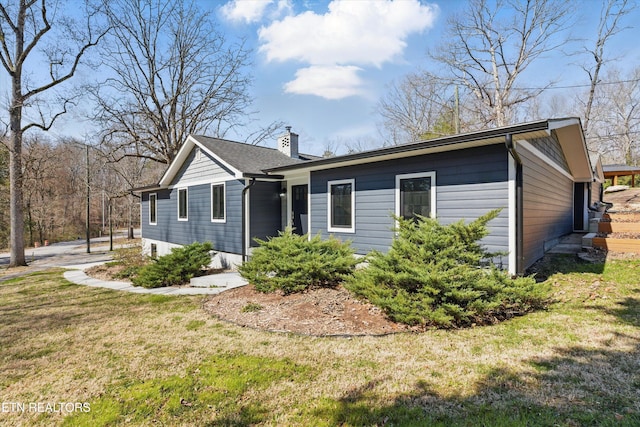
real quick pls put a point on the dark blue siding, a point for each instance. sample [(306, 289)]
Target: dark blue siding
[(469, 183), (226, 237), (264, 208)]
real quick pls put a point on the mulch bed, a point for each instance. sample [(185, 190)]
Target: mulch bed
[(320, 312)]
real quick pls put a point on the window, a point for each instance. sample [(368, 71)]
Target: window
[(416, 195), (341, 215), (183, 204), (153, 209), (217, 203), (154, 250)]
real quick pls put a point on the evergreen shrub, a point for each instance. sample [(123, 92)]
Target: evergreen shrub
[(433, 276), (293, 263), (175, 268)]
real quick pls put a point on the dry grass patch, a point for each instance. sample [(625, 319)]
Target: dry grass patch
[(143, 360)]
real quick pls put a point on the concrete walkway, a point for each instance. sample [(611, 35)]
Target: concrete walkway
[(206, 285), (74, 257)]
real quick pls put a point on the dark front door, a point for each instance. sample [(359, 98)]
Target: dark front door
[(300, 207), (580, 206)]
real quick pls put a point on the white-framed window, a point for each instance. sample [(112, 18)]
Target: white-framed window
[(416, 195), (153, 209), (183, 204), (341, 214), (218, 205)]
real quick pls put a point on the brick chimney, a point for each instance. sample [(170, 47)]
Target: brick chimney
[(288, 143)]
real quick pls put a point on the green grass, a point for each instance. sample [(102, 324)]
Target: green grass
[(160, 360), (216, 385)]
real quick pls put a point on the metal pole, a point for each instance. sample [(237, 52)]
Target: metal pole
[(88, 200), (110, 225), (457, 112)]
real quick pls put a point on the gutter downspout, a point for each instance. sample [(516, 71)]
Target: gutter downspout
[(510, 145), (245, 190)]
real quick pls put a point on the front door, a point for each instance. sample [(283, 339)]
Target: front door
[(299, 207)]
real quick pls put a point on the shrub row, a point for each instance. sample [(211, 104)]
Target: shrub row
[(176, 268), (432, 276)]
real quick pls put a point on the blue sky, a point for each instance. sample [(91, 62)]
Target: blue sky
[(321, 66)]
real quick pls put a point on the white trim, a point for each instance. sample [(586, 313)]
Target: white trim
[(247, 217), (511, 190), (201, 182), (432, 192), (224, 202), (156, 208), (182, 156), (533, 150), (292, 182), (178, 204), (330, 227)]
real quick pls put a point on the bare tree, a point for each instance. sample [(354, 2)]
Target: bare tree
[(24, 25), (609, 25), (616, 117), (172, 74), (490, 45), (4, 194), (412, 107)]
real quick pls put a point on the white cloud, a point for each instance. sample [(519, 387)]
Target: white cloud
[(251, 11), (327, 81), (351, 33), (248, 11)]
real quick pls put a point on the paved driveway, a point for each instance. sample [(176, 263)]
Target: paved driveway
[(64, 254), (73, 255)]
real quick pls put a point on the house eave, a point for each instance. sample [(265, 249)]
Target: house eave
[(571, 138), (182, 155), (454, 142), (146, 188), (263, 176)]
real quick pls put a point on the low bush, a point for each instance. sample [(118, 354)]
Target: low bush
[(293, 263), (176, 268), (131, 259), (433, 276)]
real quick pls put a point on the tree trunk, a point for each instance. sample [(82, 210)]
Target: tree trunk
[(15, 176), (30, 224)]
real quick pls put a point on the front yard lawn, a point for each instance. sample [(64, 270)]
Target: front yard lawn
[(134, 359)]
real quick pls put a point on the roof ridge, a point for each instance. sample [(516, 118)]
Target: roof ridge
[(234, 142)]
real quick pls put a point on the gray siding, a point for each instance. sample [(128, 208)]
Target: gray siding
[(548, 206), (469, 183), (551, 148), (264, 210), (198, 170), (594, 192), (226, 237)]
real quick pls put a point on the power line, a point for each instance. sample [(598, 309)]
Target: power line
[(610, 135), (577, 86)]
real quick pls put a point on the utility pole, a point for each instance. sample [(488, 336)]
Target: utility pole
[(457, 111), (88, 201), (110, 224)]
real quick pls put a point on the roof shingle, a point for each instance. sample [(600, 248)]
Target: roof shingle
[(248, 158)]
